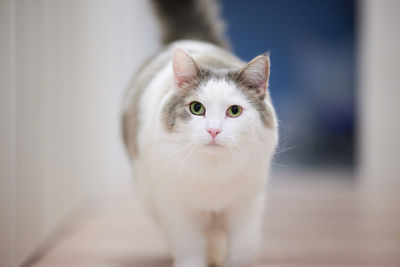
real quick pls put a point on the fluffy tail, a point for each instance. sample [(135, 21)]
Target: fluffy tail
[(191, 19)]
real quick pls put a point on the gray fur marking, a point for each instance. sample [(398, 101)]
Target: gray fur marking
[(176, 107)]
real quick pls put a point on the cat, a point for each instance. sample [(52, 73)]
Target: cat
[(200, 130)]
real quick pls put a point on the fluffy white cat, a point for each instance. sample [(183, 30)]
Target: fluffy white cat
[(201, 130)]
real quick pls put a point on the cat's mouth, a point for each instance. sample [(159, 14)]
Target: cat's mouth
[(213, 144)]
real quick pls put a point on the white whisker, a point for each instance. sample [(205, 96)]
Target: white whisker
[(167, 155), (181, 164), (243, 166)]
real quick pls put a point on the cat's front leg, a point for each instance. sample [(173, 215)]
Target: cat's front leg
[(185, 236), (245, 232)]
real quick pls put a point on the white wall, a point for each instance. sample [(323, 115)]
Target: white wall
[(7, 133), (379, 92), (64, 66)]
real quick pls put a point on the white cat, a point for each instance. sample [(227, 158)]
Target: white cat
[(201, 130)]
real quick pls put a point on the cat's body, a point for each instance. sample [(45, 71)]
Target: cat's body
[(201, 131)]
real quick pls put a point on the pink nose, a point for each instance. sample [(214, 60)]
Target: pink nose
[(213, 132)]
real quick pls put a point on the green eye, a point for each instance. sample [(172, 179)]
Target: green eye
[(197, 108), (234, 111)]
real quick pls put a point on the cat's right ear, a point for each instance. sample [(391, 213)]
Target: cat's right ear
[(185, 69)]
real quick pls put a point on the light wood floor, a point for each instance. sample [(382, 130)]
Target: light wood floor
[(314, 221)]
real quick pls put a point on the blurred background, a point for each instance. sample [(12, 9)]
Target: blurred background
[(313, 78), (64, 66)]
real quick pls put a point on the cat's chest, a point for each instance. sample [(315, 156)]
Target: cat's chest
[(206, 167), (213, 183)]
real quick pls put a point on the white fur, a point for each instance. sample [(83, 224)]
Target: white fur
[(187, 184)]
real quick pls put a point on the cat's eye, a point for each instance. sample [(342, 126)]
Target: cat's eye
[(197, 108), (234, 111)]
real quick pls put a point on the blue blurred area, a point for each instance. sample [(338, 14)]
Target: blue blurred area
[(312, 83)]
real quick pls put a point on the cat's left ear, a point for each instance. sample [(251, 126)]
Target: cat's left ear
[(185, 68), (254, 76)]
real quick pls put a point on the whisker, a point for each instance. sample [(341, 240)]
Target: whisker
[(181, 163), (279, 164), (247, 150), (167, 155), (243, 166), (168, 164), (281, 149)]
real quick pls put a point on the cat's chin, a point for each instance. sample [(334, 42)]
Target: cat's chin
[(213, 147), (213, 144)]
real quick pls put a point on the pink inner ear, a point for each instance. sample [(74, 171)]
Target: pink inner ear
[(184, 67)]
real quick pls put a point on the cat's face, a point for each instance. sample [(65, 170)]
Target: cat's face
[(226, 118), (217, 109)]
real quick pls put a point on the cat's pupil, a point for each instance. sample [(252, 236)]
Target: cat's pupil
[(197, 107), (234, 109)]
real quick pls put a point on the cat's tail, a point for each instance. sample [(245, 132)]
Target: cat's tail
[(191, 19)]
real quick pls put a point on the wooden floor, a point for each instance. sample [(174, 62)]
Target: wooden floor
[(315, 221)]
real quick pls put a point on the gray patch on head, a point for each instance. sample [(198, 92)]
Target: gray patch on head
[(224, 71), (266, 115), (175, 108), (184, 115), (262, 108), (217, 65)]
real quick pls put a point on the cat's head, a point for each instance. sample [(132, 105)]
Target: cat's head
[(220, 108)]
